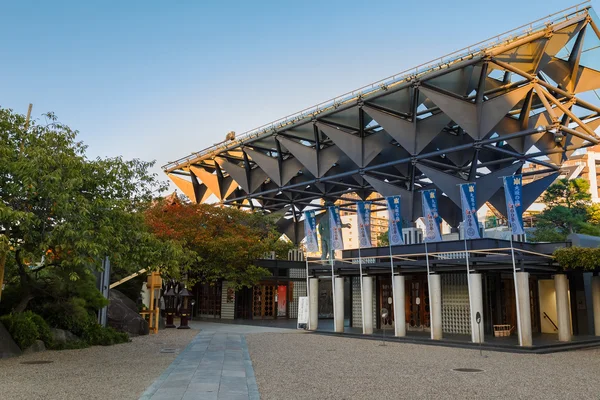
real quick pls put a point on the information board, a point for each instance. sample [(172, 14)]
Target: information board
[(302, 312)]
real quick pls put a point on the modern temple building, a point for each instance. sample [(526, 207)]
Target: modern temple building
[(521, 98)]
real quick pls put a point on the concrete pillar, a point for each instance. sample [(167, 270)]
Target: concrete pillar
[(367, 305), (596, 303), (476, 294), (561, 287), (313, 304), (435, 304), (399, 310), (524, 305), (338, 305)]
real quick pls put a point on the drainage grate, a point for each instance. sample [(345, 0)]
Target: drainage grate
[(467, 370), (168, 350), (37, 362)]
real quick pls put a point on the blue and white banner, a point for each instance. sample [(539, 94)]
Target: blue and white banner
[(431, 216), (335, 227), (394, 220), (363, 212), (469, 211), (310, 231), (513, 192)]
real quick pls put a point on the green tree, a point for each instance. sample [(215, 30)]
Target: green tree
[(62, 213), (226, 241), (568, 210), (383, 239)]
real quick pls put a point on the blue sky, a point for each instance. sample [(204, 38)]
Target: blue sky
[(159, 80)]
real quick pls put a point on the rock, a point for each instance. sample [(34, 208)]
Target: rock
[(36, 347), (123, 316), (8, 347), (61, 336)]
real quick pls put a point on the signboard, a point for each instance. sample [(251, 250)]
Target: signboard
[(512, 191), (469, 210), (310, 231), (302, 312), (335, 226), (394, 220), (363, 212), (431, 217)]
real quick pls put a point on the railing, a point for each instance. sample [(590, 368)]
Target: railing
[(550, 319), (465, 52)]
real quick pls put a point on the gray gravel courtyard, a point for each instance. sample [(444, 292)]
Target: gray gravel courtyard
[(311, 366), (122, 371)]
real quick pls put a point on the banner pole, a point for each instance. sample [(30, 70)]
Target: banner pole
[(393, 311), (362, 298), (428, 288), (471, 314), (332, 252), (512, 252), (464, 229), (307, 287)]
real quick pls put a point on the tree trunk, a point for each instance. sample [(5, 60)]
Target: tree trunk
[(2, 264), (26, 286)]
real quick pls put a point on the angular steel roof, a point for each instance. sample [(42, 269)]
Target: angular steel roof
[(470, 116)]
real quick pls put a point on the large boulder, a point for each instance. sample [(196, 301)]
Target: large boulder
[(123, 315), (8, 347), (35, 348), (60, 336)]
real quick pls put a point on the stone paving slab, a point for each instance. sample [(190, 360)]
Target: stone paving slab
[(214, 366)]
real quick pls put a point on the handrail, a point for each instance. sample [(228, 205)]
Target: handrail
[(550, 319), (383, 84)]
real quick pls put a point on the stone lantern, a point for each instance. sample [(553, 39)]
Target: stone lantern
[(185, 311), (170, 308)]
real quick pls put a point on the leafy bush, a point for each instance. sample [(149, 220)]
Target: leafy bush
[(578, 258), (71, 315), (43, 329), (22, 329), (96, 335)]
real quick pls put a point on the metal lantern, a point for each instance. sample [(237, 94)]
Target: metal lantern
[(170, 308), (185, 310)]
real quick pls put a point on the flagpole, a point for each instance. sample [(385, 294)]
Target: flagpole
[(469, 282), (331, 255), (362, 298), (464, 229), (307, 287), (512, 253), (393, 291), (428, 288)]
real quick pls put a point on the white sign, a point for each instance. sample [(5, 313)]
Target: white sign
[(302, 311)]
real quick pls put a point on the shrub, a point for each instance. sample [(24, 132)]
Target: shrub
[(96, 335), (43, 329), (70, 315), (22, 329)]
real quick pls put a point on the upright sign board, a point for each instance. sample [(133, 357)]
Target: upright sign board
[(302, 312)]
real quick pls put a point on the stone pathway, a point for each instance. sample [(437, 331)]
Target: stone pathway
[(215, 365)]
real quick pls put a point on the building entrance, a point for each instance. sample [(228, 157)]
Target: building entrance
[(417, 303)]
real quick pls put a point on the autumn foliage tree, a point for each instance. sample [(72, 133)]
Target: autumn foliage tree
[(226, 241)]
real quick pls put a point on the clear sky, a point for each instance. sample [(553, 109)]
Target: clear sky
[(161, 79)]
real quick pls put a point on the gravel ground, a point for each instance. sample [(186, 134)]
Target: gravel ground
[(310, 366), (121, 371)]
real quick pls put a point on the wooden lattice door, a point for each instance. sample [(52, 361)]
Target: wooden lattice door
[(385, 293), (263, 301), (417, 303)]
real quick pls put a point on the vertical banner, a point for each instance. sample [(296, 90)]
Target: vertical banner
[(512, 191), (335, 227), (469, 211), (363, 212), (310, 230), (394, 220), (431, 216)]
